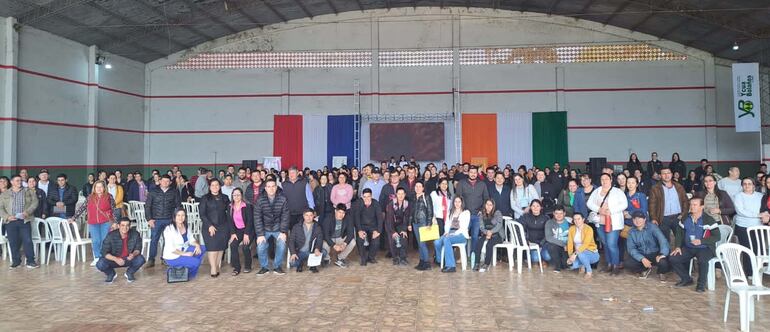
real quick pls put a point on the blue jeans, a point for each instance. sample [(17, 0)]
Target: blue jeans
[(192, 263), (302, 257), (19, 234), (108, 267), (444, 244), (611, 250), (474, 233), (156, 232), (421, 246), (543, 254), (280, 250), (585, 259), (98, 233)]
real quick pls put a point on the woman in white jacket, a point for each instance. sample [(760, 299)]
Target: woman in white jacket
[(609, 202), (180, 248), (455, 231), (442, 203), (522, 195), (748, 204)]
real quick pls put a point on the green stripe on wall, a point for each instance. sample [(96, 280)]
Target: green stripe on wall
[(549, 138)]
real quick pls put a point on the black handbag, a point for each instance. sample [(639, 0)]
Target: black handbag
[(177, 274)]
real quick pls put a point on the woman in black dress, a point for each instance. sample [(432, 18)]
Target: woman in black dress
[(216, 226)]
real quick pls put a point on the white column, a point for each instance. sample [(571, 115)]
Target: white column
[(710, 108), (9, 42), (285, 90), (374, 84), (93, 109)]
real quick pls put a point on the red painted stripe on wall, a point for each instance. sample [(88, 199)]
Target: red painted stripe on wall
[(151, 132), (654, 126), (109, 166)]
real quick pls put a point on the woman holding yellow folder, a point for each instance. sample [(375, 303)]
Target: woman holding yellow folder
[(422, 215)]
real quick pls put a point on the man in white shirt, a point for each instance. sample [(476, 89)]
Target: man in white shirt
[(43, 183), (732, 183)]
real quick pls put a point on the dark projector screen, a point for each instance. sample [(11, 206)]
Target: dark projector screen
[(423, 140)]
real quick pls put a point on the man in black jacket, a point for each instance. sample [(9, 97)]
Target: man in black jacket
[(654, 166), (271, 220), (367, 216), (121, 248), (339, 234), (62, 197), (159, 209), (42, 202), (306, 238), (500, 192)]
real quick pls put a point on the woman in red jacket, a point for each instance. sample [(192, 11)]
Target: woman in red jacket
[(100, 217)]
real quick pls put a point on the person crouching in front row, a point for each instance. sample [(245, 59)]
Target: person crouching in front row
[(304, 239), (121, 248)]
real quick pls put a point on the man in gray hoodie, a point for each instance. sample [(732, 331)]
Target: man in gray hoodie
[(556, 230)]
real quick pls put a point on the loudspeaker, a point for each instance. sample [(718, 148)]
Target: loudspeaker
[(594, 168), (251, 164)]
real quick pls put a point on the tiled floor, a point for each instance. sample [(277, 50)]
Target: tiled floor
[(376, 297)]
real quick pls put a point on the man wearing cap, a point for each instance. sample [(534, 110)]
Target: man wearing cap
[(647, 247)]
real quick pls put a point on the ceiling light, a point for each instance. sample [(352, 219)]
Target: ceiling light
[(108, 66), (736, 46)]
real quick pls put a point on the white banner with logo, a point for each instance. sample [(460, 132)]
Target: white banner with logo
[(746, 97), (272, 162)]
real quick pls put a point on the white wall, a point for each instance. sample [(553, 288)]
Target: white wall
[(433, 28), (53, 105)]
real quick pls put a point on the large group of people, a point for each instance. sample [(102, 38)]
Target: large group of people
[(325, 214)]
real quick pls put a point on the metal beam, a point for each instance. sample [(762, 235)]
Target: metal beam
[(70, 21), (304, 9), (715, 29), (524, 6), (178, 20), (648, 17), (53, 8), (211, 17), (587, 5), (331, 5), (239, 10), (616, 11), (360, 6), (275, 12), (676, 27), (553, 6), (109, 12)]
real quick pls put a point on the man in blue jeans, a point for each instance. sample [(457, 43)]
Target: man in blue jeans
[(271, 220), (474, 194), (121, 248), (159, 209)]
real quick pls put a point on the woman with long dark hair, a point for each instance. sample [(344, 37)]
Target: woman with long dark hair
[(216, 228), (677, 165), (180, 249), (633, 163), (492, 229)]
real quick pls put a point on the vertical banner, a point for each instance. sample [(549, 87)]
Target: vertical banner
[(549, 138), (746, 97), (287, 140), (477, 147), (340, 138)]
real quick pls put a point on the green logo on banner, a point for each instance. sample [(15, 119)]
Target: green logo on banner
[(747, 107)]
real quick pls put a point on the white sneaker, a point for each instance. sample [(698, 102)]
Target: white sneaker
[(93, 262)]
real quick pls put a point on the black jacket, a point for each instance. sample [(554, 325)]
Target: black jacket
[(420, 206), (249, 194), (348, 233), (534, 227), (322, 197), (295, 195), (271, 217), (388, 193), (247, 213), (502, 199), (213, 211), (113, 244), (42, 203), (70, 198), (367, 218), (678, 166), (397, 219), (184, 193), (297, 238), (653, 167), (161, 205)]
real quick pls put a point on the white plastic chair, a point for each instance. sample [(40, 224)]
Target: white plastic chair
[(725, 233), (6, 247), (143, 227), (58, 240), (39, 240), (507, 244), (76, 243), (463, 254), (522, 246), (729, 255), (761, 236)]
